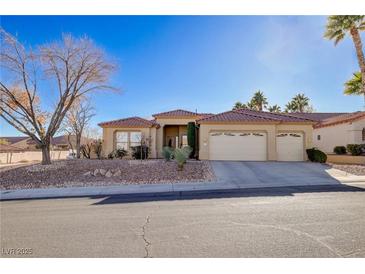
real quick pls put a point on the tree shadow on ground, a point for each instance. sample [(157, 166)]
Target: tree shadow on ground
[(220, 194)]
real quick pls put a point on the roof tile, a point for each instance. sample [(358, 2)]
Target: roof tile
[(133, 122), (344, 118)]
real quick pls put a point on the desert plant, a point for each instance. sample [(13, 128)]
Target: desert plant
[(181, 155), (97, 147), (140, 152), (117, 153), (340, 150), (86, 150), (167, 153), (355, 149), (316, 155)]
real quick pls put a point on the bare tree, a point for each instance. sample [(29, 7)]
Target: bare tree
[(77, 119), (73, 67)]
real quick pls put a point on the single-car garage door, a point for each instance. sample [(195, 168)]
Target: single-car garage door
[(238, 146), (289, 146)]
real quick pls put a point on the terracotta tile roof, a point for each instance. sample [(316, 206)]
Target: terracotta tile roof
[(132, 122), (16, 139), (178, 113), (9, 148), (246, 115), (317, 116), (344, 118)]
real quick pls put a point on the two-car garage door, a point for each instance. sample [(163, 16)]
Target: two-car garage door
[(252, 146), (238, 146)]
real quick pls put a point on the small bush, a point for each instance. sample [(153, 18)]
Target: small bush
[(340, 150), (181, 155), (140, 152), (117, 153), (316, 155), (355, 149), (167, 153)]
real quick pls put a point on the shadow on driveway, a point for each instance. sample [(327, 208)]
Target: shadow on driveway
[(232, 193)]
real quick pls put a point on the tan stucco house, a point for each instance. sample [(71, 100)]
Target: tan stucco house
[(232, 135), (339, 130)]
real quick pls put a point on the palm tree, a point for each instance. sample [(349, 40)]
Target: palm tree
[(336, 29), (353, 86), (274, 108), (299, 103), (259, 100), (239, 105)]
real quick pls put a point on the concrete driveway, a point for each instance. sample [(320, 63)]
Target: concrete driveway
[(272, 174)]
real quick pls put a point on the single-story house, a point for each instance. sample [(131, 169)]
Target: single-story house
[(339, 129), (61, 142), (233, 135)]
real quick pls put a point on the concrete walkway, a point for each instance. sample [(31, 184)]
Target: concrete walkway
[(229, 175)]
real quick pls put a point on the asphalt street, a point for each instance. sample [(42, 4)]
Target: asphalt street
[(326, 221)]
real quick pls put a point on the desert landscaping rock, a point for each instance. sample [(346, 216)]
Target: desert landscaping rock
[(108, 174), (352, 169), (84, 172)]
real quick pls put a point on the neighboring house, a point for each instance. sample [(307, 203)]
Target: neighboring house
[(232, 135), (57, 143), (339, 130), (24, 143)]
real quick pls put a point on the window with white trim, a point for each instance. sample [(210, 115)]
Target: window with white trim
[(121, 140), (135, 139)]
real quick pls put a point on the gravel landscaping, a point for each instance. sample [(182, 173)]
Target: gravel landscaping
[(84, 172), (352, 169)]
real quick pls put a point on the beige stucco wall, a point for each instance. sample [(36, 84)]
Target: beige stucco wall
[(270, 129), (345, 159), (168, 121), (30, 156), (109, 135), (338, 135)]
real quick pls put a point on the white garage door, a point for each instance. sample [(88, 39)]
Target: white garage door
[(240, 146), (289, 146)]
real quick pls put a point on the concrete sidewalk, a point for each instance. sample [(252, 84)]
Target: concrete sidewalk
[(161, 188)]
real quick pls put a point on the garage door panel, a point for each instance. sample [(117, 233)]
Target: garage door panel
[(250, 146), (290, 146)]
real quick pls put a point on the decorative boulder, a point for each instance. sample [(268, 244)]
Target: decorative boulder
[(102, 171), (117, 173), (96, 172), (108, 174)]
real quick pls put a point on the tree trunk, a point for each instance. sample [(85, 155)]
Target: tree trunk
[(46, 156), (360, 56), (78, 145)]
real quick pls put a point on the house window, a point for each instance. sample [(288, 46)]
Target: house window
[(318, 137), (121, 139), (135, 139), (184, 140), (363, 134)]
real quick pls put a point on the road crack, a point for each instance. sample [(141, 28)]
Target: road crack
[(147, 243)]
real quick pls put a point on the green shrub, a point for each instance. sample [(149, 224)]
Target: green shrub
[(355, 149), (140, 152), (167, 153), (191, 137), (340, 150), (315, 155), (181, 155), (117, 153)]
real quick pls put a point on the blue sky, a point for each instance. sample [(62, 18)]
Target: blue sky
[(205, 62)]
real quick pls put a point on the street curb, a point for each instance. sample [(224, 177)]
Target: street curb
[(198, 192)]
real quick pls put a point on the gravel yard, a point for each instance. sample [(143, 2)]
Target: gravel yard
[(352, 169), (83, 172)]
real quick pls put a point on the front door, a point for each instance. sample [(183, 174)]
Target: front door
[(172, 141)]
